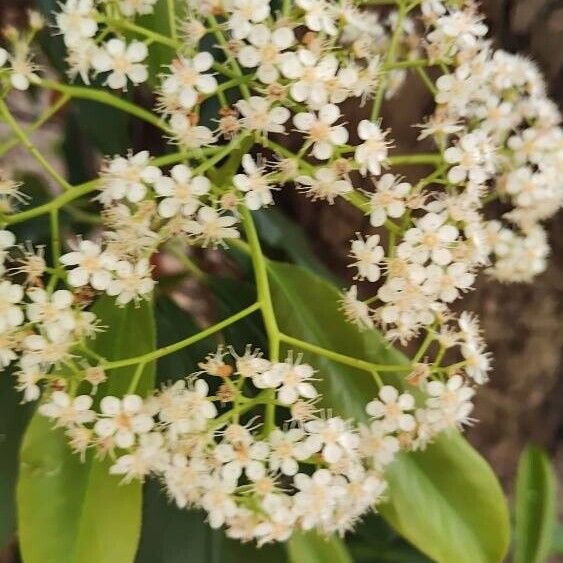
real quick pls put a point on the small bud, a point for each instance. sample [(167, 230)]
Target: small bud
[(419, 374), (36, 21), (95, 375)]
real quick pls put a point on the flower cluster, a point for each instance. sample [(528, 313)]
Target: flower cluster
[(313, 471), (38, 328), (256, 100)]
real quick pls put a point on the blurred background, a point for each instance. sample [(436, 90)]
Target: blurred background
[(523, 323)]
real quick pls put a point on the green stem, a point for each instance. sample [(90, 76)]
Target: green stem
[(341, 358), (427, 81), (266, 306), (136, 378), (390, 59), (24, 139), (108, 99), (262, 284), (148, 33), (171, 348), (171, 6), (421, 158), (79, 191)]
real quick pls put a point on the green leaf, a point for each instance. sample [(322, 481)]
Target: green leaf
[(312, 548), (159, 55), (280, 232), (374, 541), (446, 500), (14, 418), (73, 512), (535, 507), (232, 295)]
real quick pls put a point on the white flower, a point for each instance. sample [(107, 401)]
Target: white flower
[(127, 178), (372, 153), (93, 266), (11, 314), (287, 449), (45, 351), (122, 61), (310, 76), (451, 400), (27, 383), (292, 380), (130, 8), (149, 456), (52, 312), (123, 419), (316, 496), (431, 239), (77, 21), (464, 26), (446, 283), (319, 15), (67, 410), (393, 409), (188, 79), (4, 55), (321, 131), (186, 408), (246, 13), (23, 69), (356, 311), (258, 115), (218, 500), (368, 254), (188, 135), (254, 183), (378, 445), (210, 227), (326, 184), (333, 437), (478, 361), (181, 191), (131, 281), (242, 456), (266, 51), (472, 159), (388, 200)]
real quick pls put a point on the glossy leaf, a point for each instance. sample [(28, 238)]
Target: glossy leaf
[(535, 507), (311, 548), (446, 500), (73, 512), (282, 233)]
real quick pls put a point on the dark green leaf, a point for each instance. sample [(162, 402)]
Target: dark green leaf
[(14, 418), (374, 541), (280, 232), (232, 295), (446, 500), (73, 512), (535, 507)]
